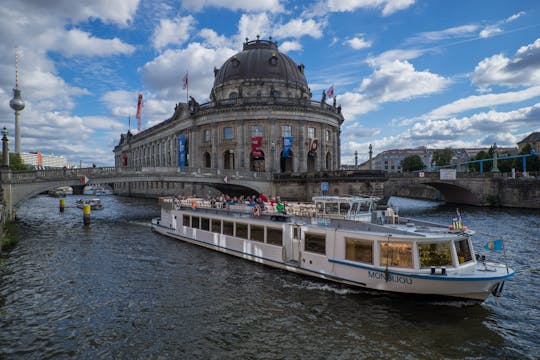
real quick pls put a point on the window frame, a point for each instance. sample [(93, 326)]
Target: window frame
[(226, 134)]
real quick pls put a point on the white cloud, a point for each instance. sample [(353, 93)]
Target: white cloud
[(175, 31), (522, 70), (251, 25), (164, 73), (77, 42), (388, 6), (287, 46), (213, 39), (490, 31), (398, 80), (297, 28), (492, 122), (243, 5), (358, 43), (483, 101), (392, 55), (450, 33), (355, 104), (515, 16)]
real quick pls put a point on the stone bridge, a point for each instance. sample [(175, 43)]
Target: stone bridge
[(487, 189), (22, 185)]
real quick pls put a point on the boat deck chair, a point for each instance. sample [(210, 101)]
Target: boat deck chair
[(391, 216)]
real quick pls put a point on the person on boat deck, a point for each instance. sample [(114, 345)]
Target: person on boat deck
[(280, 207), (252, 202), (260, 202)]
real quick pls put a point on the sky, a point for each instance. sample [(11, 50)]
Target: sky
[(407, 73)]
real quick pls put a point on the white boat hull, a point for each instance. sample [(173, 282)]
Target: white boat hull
[(468, 283)]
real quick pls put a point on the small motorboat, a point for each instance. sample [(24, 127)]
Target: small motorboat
[(95, 203)]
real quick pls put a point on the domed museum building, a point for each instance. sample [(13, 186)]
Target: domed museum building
[(260, 118)]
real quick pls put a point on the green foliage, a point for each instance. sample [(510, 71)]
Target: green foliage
[(533, 162), (412, 163), (8, 240), (487, 164), (442, 157), (15, 162)]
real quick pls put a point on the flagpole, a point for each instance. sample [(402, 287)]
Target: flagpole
[(504, 254)]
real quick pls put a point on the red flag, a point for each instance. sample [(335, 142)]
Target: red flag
[(330, 92), (185, 81), (139, 112)]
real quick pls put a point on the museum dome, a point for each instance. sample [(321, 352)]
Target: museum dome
[(261, 60)]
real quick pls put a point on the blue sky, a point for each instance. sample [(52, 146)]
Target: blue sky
[(407, 73)]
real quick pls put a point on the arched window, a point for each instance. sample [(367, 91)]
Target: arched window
[(207, 160), (233, 95), (328, 161), (257, 162), (228, 159), (286, 162)]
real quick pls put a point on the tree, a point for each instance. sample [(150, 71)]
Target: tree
[(442, 157), (15, 162), (412, 163), (487, 165), (533, 162)]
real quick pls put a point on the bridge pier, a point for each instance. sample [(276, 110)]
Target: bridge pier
[(7, 192)]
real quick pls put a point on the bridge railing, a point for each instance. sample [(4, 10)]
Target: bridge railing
[(207, 172), (462, 175)]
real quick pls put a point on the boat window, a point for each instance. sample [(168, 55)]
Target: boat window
[(354, 208), (205, 224), (315, 243), (359, 250), (396, 254), (434, 255), (195, 222), (331, 208), (228, 228), (256, 233), (185, 220), (463, 251), (215, 226), (344, 208), (274, 236), (241, 230), (295, 233)]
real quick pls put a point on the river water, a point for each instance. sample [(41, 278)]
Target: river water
[(115, 290)]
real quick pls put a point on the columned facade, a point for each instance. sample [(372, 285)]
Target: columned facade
[(260, 118)]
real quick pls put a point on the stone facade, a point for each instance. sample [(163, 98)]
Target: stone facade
[(260, 118)]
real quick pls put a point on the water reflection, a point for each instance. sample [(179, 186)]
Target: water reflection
[(116, 290)]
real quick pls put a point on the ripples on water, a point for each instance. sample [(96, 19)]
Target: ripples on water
[(116, 290)]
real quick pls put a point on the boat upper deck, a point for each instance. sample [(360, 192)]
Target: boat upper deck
[(403, 227)]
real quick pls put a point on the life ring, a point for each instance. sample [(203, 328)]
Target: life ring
[(256, 211)]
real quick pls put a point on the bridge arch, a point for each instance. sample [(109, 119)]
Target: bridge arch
[(20, 186)]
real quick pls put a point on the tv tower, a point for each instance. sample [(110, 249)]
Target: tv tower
[(17, 104)]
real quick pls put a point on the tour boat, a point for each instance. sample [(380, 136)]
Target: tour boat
[(95, 203), (399, 255)]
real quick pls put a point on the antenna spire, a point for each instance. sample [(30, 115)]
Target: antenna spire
[(16, 67)]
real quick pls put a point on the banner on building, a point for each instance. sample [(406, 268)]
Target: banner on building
[(181, 151), (287, 143), (256, 142), (313, 146)]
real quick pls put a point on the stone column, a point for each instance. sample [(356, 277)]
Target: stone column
[(495, 169), (5, 148), (242, 147)]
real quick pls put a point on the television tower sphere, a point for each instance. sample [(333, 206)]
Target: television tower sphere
[(17, 103)]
